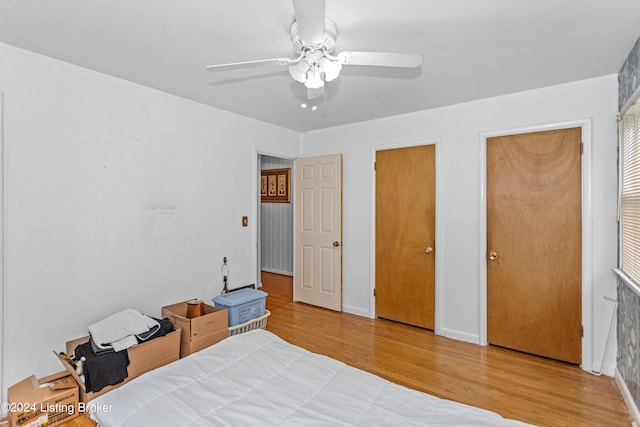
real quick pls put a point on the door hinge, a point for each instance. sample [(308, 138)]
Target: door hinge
[(374, 165), (582, 331), (582, 148), (374, 292)]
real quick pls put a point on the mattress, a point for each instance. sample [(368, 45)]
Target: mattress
[(258, 379)]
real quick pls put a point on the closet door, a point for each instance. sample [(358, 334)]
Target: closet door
[(405, 235), (534, 243)]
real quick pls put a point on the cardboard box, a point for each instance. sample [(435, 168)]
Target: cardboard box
[(142, 358), (49, 401), (188, 347), (199, 332)]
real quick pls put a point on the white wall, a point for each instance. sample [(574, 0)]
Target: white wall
[(116, 196), (460, 128)]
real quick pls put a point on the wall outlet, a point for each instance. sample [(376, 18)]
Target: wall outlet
[(245, 221)]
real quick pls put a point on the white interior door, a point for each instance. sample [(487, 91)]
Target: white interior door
[(318, 239)]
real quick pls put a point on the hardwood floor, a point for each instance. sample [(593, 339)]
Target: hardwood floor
[(80, 421), (279, 287), (516, 385)]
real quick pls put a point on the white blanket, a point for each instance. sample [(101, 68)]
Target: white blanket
[(257, 379)]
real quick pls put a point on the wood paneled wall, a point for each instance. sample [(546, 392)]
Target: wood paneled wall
[(276, 231)]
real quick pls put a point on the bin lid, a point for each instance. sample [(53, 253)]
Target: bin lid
[(239, 297)]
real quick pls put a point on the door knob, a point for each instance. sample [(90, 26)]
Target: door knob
[(493, 256), (336, 244), (428, 250)]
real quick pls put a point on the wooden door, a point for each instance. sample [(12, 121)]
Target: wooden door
[(318, 240), (405, 235), (534, 243)]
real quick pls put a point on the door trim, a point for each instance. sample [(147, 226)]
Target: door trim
[(587, 223), (2, 255), (437, 141), (255, 229)]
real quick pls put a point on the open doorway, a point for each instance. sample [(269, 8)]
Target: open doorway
[(275, 238)]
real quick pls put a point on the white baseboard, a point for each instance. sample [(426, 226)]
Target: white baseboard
[(628, 399), (457, 335), (276, 271), (355, 310), (609, 371)]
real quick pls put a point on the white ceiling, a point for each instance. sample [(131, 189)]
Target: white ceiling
[(472, 48)]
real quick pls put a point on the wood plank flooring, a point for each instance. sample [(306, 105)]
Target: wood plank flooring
[(516, 385), (80, 421)]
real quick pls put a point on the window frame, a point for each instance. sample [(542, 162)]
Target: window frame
[(629, 194)]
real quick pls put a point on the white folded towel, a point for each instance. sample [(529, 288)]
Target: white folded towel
[(124, 343), (117, 329)]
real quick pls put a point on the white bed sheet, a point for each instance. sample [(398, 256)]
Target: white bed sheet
[(258, 379)]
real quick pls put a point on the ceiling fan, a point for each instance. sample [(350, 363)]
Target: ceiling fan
[(314, 38)]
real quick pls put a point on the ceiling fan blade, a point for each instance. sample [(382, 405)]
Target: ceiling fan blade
[(250, 64), (381, 59), (315, 93), (310, 19)]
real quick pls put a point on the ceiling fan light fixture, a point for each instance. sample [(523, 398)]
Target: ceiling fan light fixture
[(299, 71), (330, 68), (314, 78), (313, 38)]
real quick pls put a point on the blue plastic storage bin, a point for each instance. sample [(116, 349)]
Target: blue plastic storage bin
[(242, 305)]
